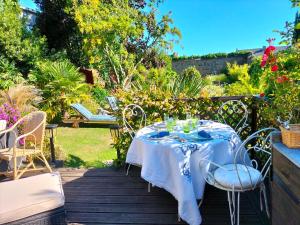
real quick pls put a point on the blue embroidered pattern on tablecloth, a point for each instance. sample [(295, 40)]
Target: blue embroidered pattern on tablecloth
[(189, 148)]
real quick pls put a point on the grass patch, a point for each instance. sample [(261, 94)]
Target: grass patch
[(85, 147)]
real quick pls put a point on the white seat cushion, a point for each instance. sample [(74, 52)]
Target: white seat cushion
[(29, 196), (229, 175)]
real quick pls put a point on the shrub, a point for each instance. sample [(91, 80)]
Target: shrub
[(22, 97), (61, 85), (18, 44), (237, 72), (240, 83), (189, 83), (212, 90), (9, 74), (99, 94), (280, 79), (217, 79)]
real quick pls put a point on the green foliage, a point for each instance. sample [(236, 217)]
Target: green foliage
[(237, 72), (212, 90), (167, 81), (9, 74), (189, 83), (153, 80), (17, 43), (282, 86), (105, 26), (255, 72), (119, 36), (55, 23), (61, 85), (99, 95), (217, 79), (240, 83)]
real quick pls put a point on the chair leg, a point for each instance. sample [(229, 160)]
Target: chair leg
[(128, 168), (263, 190), (200, 203), (15, 169), (46, 162), (231, 203), (238, 209)]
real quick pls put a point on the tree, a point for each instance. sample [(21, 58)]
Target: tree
[(118, 36), (291, 34), (154, 39), (60, 29), (55, 23), (18, 44)]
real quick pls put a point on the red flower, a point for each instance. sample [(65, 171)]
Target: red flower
[(262, 95), (269, 50), (285, 78), (279, 80), (274, 68)]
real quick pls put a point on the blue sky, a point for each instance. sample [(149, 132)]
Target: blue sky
[(210, 26)]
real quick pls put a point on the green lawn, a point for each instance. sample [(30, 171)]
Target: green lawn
[(85, 147)]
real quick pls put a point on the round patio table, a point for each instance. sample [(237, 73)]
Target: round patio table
[(178, 162)]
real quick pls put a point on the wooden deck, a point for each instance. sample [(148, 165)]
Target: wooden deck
[(107, 196)]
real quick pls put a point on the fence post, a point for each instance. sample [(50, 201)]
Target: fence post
[(254, 115)]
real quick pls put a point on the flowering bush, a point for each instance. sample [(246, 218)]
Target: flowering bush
[(10, 114), (280, 78)]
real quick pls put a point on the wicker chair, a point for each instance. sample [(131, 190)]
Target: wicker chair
[(28, 145)]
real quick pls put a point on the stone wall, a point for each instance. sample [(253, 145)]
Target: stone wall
[(209, 66)]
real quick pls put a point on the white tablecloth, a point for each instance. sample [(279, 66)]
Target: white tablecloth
[(174, 165)]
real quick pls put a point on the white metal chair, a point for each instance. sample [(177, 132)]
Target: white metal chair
[(134, 118), (244, 174), (235, 114)]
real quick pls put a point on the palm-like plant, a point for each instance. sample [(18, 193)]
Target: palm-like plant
[(61, 85), (189, 82)]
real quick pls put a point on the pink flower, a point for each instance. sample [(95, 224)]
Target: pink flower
[(263, 63), (22, 141), (264, 60)]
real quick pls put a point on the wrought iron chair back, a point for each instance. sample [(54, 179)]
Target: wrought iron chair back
[(134, 118), (235, 114), (257, 143), (248, 170)]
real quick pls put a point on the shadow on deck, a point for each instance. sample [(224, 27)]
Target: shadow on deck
[(107, 196)]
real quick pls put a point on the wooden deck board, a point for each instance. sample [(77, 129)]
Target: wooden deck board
[(108, 197)]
